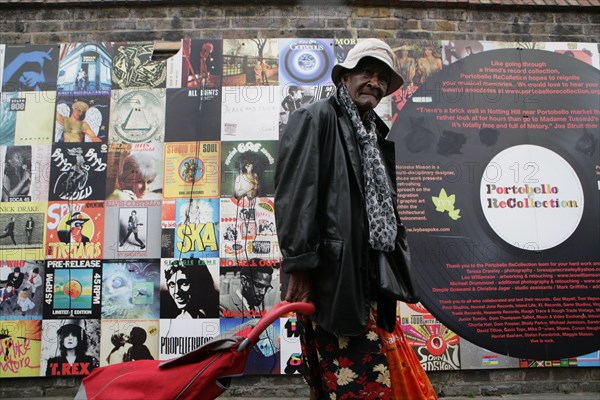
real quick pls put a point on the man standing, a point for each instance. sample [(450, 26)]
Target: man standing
[(9, 230), (29, 225), (336, 215), (132, 227)]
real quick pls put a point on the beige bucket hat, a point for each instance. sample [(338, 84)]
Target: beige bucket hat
[(374, 48)]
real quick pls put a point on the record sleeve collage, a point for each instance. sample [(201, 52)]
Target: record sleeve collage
[(137, 205)]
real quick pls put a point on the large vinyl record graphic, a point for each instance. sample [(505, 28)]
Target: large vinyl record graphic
[(498, 185)]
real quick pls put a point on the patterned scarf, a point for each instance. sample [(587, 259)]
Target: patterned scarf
[(380, 208)]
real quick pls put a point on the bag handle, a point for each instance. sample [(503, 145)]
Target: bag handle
[(277, 311)]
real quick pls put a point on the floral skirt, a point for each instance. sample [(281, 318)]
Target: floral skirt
[(345, 367)]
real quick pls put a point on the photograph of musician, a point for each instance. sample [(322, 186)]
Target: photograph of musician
[(133, 227)]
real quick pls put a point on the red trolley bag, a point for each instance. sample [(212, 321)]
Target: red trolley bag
[(204, 373)]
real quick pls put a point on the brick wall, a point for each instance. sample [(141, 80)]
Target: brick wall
[(42, 22), (53, 24)]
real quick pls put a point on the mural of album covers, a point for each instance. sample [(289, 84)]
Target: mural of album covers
[(248, 169), (27, 117), (249, 287), (192, 169), (78, 171), (130, 229), (291, 355), (67, 338), (306, 62), (294, 97), (135, 171), (75, 230), (193, 114), (84, 115), (85, 67), (20, 348), (437, 347), (189, 288), (168, 223), (264, 357), (197, 228), (130, 289), (250, 62), (202, 63), (27, 281), (128, 340), (24, 173), (137, 116), (133, 67), (248, 229), (18, 240), (249, 113), (181, 336), (73, 289), (30, 68), (475, 357)]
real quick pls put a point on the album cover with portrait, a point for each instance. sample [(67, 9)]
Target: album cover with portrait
[(66, 340), (249, 287), (189, 288), (130, 227), (248, 169), (24, 174), (135, 171)]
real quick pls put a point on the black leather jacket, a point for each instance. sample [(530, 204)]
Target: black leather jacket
[(321, 218)]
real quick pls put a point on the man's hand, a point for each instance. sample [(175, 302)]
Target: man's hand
[(298, 288)]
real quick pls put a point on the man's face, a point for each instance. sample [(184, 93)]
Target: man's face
[(255, 287), (179, 289), (367, 83)]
